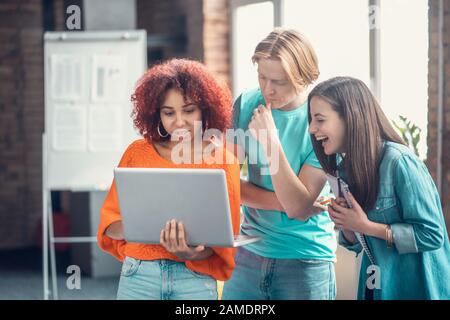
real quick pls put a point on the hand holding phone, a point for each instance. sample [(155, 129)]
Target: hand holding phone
[(341, 201), (341, 190)]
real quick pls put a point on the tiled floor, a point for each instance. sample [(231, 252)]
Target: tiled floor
[(21, 278)]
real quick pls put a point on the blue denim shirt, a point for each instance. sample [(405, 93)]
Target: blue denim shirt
[(418, 265)]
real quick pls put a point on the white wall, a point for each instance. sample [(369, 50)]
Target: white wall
[(347, 274)]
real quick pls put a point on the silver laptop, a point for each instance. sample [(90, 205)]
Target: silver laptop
[(149, 197)]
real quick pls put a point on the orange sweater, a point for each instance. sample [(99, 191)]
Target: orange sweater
[(141, 154)]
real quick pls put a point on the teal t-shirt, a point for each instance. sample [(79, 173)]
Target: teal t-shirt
[(282, 237)]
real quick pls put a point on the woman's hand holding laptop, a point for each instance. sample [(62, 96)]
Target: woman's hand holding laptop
[(173, 239)]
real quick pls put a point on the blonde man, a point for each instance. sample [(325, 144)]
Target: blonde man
[(295, 258)]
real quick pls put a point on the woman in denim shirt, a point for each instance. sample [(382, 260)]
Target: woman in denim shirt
[(395, 202)]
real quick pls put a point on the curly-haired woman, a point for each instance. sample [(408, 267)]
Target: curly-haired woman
[(173, 103)]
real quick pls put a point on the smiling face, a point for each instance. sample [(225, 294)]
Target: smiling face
[(178, 115), (327, 126), (275, 85)]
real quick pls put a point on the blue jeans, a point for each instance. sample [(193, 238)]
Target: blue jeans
[(163, 280), (259, 278)]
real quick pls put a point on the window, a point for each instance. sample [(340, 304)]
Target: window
[(251, 23), (340, 33), (404, 62)]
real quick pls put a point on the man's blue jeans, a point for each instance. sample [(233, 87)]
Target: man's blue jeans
[(259, 278)]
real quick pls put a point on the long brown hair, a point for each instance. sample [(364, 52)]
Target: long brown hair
[(366, 129)]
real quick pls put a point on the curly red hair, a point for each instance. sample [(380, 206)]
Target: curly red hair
[(193, 80)]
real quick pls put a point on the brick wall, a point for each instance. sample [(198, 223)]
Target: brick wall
[(59, 15), (216, 38), (21, 121), (433, 102), (172, 18), (207, 30)]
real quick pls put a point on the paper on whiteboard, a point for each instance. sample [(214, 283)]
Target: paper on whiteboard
[(104, 128), (66, 77), (109, 78), (69, 128)]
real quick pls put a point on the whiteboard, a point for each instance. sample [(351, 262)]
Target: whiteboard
[(89, 80)]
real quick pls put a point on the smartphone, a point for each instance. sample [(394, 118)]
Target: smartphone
[(339, 188), (344, 191)]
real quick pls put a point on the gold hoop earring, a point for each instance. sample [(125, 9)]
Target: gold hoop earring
[(159, 132)]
